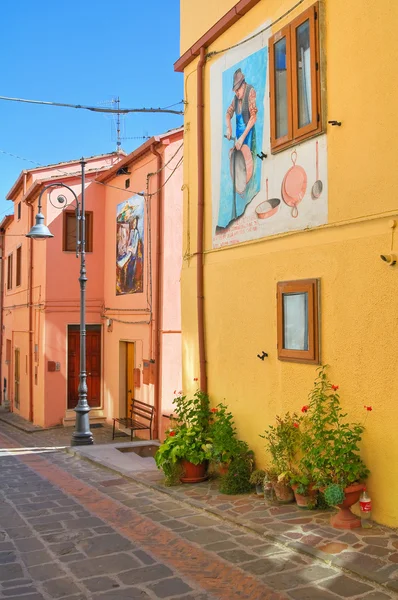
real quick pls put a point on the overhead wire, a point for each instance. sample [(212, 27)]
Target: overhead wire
[(140, 193), (118, 110), (252, 37)]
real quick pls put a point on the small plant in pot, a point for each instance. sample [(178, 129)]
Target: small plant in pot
[(236, 480), (305, 492), (257, 479), (188, 447), (330, 446), (282, 443)]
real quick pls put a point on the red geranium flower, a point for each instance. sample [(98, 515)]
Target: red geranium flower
[(369, 408), (172, 433), (305, 408), (335, 387), (295, 424), (195, 379), (214, 410)]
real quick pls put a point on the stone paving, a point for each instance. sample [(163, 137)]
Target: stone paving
[(69, 529)]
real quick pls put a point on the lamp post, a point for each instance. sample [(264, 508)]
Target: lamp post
[(82, 435)]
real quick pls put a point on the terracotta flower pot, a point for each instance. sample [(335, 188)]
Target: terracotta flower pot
[(283, 492), (223, 468), (307, 501), (345, 519), (193, 473)]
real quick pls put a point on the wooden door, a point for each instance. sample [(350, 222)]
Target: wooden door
[(93, 367), (17, 371), (130, 377)]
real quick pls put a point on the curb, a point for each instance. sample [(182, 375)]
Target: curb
[(252, 529)]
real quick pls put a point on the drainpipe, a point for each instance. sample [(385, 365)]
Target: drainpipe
[(30, 303), (159, 287), (200, 229), (2, 264)]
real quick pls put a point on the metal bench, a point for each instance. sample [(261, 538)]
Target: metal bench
[(139, 412)]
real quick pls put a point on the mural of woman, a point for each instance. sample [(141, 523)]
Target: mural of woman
[(129, 247)]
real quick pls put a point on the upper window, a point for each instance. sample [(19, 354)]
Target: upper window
[(295, 81), (298, 321), (69, 237), (18, 274), (19, 211), (9, 272)]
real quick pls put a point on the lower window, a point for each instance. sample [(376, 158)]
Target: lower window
[(298, 321)]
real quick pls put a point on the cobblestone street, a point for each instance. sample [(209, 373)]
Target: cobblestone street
[(70, 529)]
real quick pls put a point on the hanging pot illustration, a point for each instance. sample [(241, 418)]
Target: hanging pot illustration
[(269, 207), (318, 185), (294, 185), (240, 166)]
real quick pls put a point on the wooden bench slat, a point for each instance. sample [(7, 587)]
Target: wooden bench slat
[(141, 411)]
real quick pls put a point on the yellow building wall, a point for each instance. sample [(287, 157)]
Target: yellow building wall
[(359, 308)]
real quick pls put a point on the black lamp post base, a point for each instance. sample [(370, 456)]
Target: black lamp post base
[(82, 439)]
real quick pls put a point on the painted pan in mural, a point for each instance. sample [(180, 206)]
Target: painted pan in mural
[(243, 89), (130, 246)]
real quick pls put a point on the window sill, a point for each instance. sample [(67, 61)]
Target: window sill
[(298, 140)]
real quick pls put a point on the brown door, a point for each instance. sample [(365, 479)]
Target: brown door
[(16, 376), (93, 367), (130, 376)]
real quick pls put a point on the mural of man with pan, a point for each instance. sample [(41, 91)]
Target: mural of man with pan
[(242, 137), (244, 106)]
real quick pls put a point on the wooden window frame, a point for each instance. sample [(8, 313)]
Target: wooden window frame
[(296, 134), (18, 266), (311, 287), (89, 216), (9, 271)]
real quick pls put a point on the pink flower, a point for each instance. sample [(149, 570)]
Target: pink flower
[(180, 392), (305, 408), (175, 391), (335, 387)]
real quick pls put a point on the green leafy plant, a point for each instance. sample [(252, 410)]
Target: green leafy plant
[(282, 443), (303, 482), (237, 479), (223, 432), (189, 438), (257, 477), (334, 494), (329, 443)]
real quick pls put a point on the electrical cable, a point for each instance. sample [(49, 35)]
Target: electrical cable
[(90, 171), (285, 14), (123, 111)]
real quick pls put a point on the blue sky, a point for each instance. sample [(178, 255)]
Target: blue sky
[(83, 53)]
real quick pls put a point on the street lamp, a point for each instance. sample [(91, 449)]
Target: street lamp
[(82, 435)]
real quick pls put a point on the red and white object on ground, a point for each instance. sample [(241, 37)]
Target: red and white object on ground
[(365, 504)]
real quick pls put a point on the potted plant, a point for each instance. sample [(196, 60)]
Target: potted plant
[(282, 444), (330, 446), (236, 480), (257, 479), (188, 447), (305, 492)]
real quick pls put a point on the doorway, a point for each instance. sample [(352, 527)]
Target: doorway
[(129, 376), (93, 365), (17, 372)]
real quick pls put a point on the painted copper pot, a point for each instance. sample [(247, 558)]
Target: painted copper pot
[(294, 185), (241, 167)]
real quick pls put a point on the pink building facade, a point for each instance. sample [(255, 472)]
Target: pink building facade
[(40, 288)]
